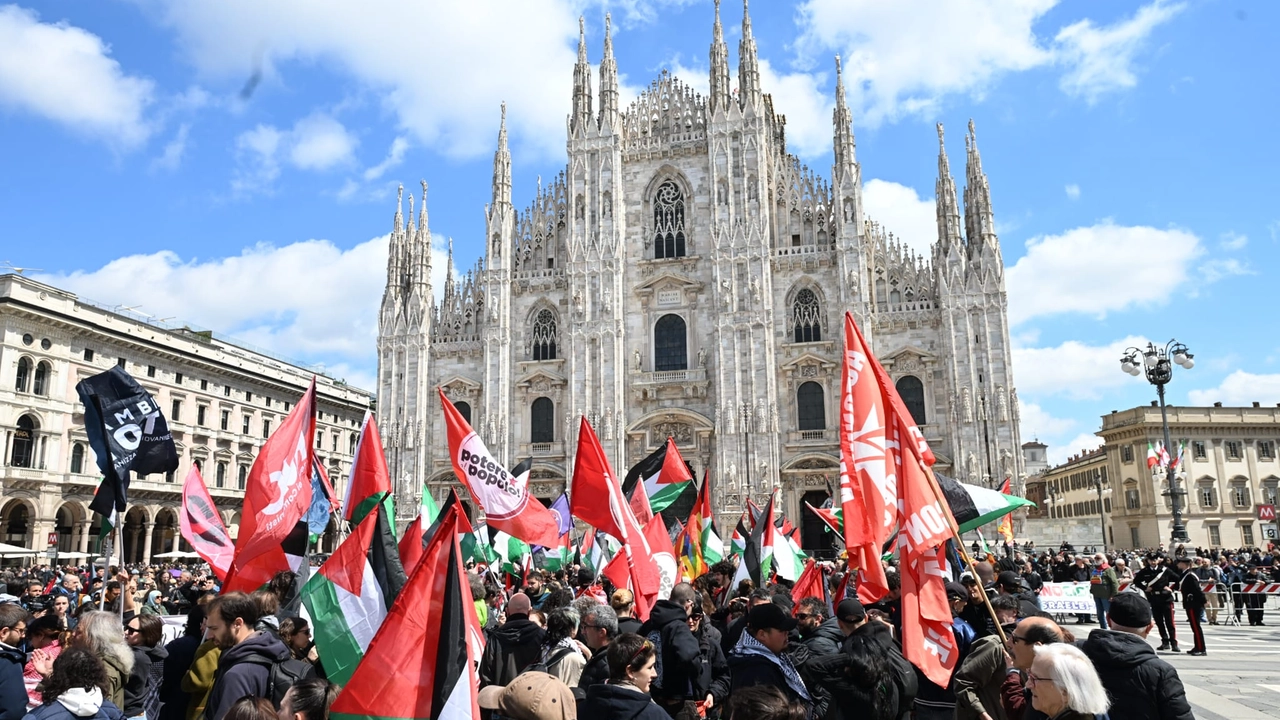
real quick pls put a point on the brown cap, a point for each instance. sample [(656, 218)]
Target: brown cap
[(531, 696)]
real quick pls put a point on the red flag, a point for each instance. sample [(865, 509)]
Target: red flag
[(506, 501), (663, 559), (370, 481), (924, 527), (202, 527), (278, 493), (674, 469), (597, 500), (867, 495), (411, 545), (421, 663), (812, 583), (639, 503), (618, 572)]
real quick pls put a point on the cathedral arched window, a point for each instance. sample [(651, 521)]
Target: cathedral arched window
[(464, 409), (912, 392), (670, 344), (542, 421), (811, 407), (40, 386), (544, 336), (668, 221), (806, 317), (24, 375)]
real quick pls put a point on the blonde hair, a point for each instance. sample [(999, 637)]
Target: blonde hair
[(1076, 677), (103, 635)]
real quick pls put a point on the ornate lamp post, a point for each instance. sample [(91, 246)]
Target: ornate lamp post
[(1157, 363)]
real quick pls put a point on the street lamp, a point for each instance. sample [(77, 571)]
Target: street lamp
[(1157, 363), (1102, 518)]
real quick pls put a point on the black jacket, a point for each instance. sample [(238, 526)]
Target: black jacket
[(618, 702), (243, 669), (13, 694), (1157, 582), (1192, 594), (596, 671), (135, 688), (1140, 684), (715, 666), (182, 652), (731, 634), (679, 664), (825, 639), (629, 625), (510, 649)]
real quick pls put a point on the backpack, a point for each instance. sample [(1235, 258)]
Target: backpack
[(655, 637), (552, 660), (282, 675)]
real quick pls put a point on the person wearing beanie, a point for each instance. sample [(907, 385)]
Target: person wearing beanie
[(1141, 685), (514, 646)]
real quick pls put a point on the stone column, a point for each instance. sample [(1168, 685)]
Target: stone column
[(128, 557), (146, 543), (86, 526)]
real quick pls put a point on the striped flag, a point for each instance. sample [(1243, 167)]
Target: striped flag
[(370, 479), (667, 481), (421, 663)]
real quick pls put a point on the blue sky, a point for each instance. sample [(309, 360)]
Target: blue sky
[(233, 163)]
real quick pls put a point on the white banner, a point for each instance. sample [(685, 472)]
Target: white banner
[(1067, 598)]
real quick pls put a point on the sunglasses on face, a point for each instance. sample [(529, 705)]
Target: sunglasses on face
[(805, 616), (131, 631)]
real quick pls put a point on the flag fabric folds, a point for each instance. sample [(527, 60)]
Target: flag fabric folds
[(751, 567), (974, 506), (421, 663), (698, 544), (1005, 528), (505, 497), (127, 433), (277, 495), (598, 501), (667, 482), (369, 479), (202, 527), (411, 543), (812, 583)]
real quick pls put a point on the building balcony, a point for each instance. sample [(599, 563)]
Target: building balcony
[(688, 383), (542, 449), (811, 437)]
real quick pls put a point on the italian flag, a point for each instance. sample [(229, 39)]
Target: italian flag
[(1153, 458), (348, 598)]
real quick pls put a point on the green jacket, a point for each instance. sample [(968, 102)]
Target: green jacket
[(199, 679), (1103, 583)]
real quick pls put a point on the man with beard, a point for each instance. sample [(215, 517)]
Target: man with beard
[(247, 655)]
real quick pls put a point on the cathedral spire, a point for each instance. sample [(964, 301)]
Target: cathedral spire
[(502, 165), (748, 63), (448, 273), (948, 209), (608, 79), (979, 220), (399, 222), (581, 83), (719, 66), (844, 145), (422, 246)]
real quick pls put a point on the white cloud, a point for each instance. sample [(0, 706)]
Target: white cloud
[(1073, 191), (1101, 59), (310, 300), (1072, 369), (395, 156), (1219, 268), (1035, 422), (902, 211), (905, 58), (807, 107), (1240, 388), (1059, 454), (256, 163), (171, 157), (902, 58), (442, 68), (66, 74), (1234, 241), (1098, 269), (320, 143)]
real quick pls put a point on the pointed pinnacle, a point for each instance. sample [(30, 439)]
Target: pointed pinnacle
[(608, 35), (582, 39), (746, 19)]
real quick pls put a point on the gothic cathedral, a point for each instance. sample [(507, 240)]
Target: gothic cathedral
[(686, 276)]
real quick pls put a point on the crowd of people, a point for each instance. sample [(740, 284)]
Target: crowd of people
[(80, 644)]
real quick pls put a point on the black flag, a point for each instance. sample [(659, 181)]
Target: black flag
[(127, 432)]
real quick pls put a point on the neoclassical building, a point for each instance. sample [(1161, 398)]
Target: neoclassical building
[(686, 276), (221, 400)]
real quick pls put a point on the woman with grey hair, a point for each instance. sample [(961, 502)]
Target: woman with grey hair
[(562, 655), (1064, 685), (101, 634)]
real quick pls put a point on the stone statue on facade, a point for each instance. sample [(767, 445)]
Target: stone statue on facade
[(635, 361)]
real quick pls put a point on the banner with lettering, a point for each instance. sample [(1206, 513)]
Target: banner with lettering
[(1066, 598)]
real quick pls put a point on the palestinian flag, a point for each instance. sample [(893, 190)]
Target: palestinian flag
[(974, 506), (752, 567), (830, 517), (738, 542), (699, 544), (511, 552), (370, 479), (780, 556), (668, 482), (348, 598), (591, 553), (421, 664), (558, 557), (411, 543)]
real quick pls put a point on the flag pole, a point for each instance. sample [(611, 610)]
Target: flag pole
[(955, 531), (105, 550)]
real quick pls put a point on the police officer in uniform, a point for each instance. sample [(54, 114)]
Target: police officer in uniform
[(1193, 601), (1157, 580)]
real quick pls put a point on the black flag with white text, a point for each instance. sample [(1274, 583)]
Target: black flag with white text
[(127, 432)]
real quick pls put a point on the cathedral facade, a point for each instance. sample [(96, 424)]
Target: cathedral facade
[(686, 276)]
